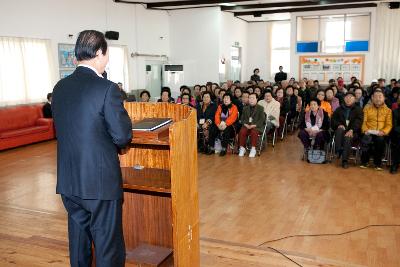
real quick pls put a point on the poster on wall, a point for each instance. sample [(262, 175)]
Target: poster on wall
[(66, 59), (324, 68)]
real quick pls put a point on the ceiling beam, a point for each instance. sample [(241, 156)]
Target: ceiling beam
[(191, 3), (289, 4), (305, 9)]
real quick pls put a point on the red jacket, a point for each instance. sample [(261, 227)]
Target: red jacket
[(232, 117)]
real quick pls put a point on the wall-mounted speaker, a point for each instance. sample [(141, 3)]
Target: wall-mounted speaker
[(111, 35)]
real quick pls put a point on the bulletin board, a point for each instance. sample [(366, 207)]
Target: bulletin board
[(324, 68)]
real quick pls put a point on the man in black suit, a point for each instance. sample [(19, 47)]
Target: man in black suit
[(92, 126), (280, 76)]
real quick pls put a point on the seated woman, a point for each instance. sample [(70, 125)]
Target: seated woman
[(299, 105), (145, 96), (186, 90), (324, 104), (331, 99), (271, 110), (253, 119), (166, 96), (284, 108), (185, 100), (290, 103), (205, 119), (314, 126), (225, 119)]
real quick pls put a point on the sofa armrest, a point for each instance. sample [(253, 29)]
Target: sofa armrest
[(44, 122)]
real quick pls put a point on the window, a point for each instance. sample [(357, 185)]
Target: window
[(26, 70), (334, 33), (280, 47), (117, 68)]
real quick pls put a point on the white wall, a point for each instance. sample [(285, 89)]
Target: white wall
[(233, 30), (195, 43), (139, 29), (257, 50)]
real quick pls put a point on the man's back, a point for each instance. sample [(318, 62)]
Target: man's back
[(91, 124)]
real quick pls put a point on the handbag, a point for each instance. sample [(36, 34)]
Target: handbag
[(316, 156)]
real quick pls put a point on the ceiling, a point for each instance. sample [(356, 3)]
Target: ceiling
[(254, 11)]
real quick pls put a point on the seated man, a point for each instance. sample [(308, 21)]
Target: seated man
[(225, 119), (271, 110), (346, 122), (376, 126), (314, 127), (253, 119)]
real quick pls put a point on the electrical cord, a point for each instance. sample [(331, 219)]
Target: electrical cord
[(320, 235)]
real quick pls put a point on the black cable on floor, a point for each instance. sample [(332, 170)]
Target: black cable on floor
[(281, 253), (320, 235), (339, 234)]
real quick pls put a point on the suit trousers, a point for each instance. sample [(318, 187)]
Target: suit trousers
[(98, 222)]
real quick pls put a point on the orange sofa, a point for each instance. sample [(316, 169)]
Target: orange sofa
[(24, 124)]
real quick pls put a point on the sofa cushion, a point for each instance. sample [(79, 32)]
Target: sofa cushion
[(24, 131), (19, 117)]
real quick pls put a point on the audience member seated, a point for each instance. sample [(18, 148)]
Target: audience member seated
[(186, 90), (331, 99), (256, 75), (361, 100), (395, 138), (376, 126), (166, 96), (299, 105), (252, 119), (393, 100), (185, 100), (47, 107), (304, 93), (271, 110), (315, 126), (346, 122), (197, 93), (245, 98), (290, 103), (225, 119), (257, 91), (145, 96), (205, 119), (324, 104), (123, 93)]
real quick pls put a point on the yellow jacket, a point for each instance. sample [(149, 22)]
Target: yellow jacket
[(377, 119)]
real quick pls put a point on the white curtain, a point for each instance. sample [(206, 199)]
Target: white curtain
[(26, 70), (117, 68), (387, 43)]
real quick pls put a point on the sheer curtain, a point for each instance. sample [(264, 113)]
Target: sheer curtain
[(26, 70), (117, 68), (387, 40), (279, 33)]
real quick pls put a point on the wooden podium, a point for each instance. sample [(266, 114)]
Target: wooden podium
[(161, 210)]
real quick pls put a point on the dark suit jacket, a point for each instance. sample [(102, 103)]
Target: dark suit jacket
[(280, 76), (47, 110), (91, 125), (355, 119), (208, 114)]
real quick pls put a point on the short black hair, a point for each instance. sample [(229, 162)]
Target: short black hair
[(256, 69), (228, 94), (245, 92), (254, 94), (267, 92), (88, 43), (49, 95), (145, 92), (166, 89), (329, 89), (206, 93), (183, 87), (316, 100), (119, 83), (185, 94)]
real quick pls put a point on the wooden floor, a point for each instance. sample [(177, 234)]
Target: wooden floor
[(243, 203)]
